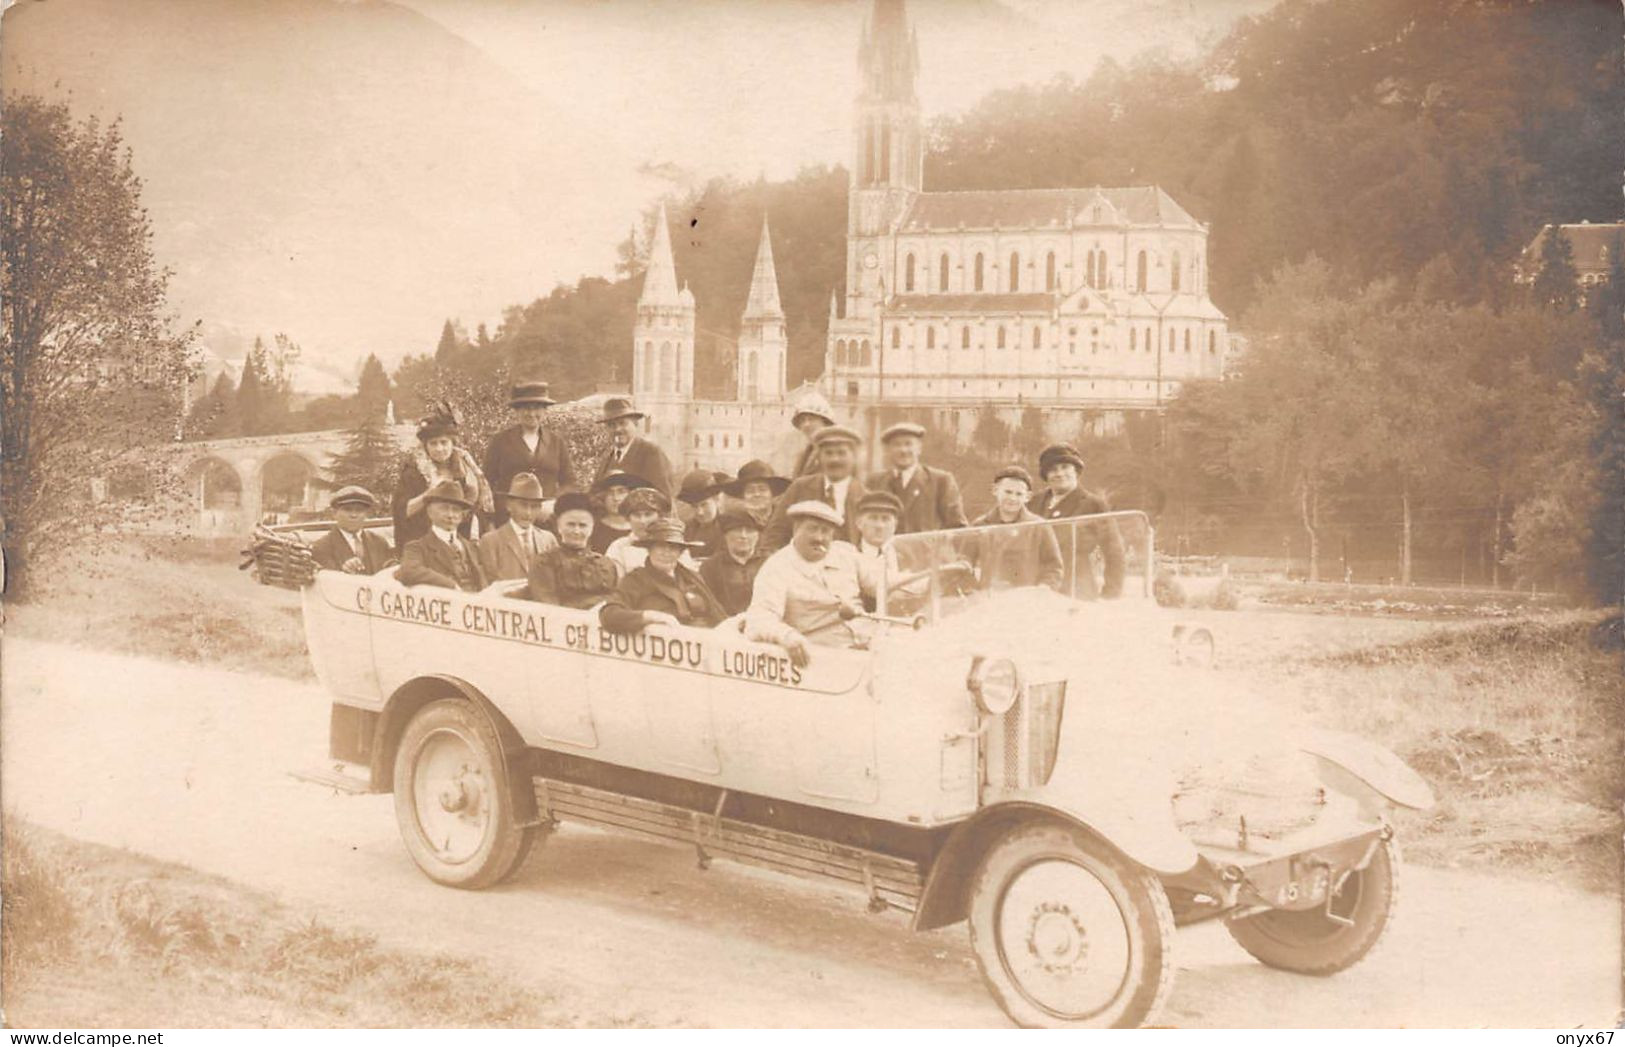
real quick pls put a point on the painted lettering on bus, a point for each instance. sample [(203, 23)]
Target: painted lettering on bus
[(506, 623), (657, 650), (760, 665)]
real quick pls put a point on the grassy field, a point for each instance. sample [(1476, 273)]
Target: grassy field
[(1513, 716), (95, 937)]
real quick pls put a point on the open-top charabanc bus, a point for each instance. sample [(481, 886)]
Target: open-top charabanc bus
[(1006, 744)]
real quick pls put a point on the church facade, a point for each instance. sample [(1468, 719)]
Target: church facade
[(1084, 303)]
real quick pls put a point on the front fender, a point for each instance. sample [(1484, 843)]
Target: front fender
[(1130, 807), (1371, 765)]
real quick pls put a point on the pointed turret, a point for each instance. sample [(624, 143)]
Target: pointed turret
[(660, 278), (763, 302)]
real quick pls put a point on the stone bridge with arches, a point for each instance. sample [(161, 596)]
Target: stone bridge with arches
[(235, 483)]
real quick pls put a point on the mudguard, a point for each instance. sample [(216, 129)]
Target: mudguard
[(1130, 807), (1374, 766)]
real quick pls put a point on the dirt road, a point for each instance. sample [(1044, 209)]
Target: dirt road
[(190, 765)]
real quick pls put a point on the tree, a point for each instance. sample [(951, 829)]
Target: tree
[(251, 393), (91, 375), (215, 414), (372, 388), (1555, 284), (445, 352), (370, 458)]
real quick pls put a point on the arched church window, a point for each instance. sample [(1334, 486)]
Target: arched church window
[(1174, 273), (930, 337), (1001, 336), (896, 337), (1139, 273), (1015, 272), (1133, 339), (649, 364), (1187, 339), (750, 375), (1089, 270), (964, 337), (1049, 272), (668, 366), (978, 283), (942, 281), (1038, 338), (840, 354), (1100, 271), (908, 273), (1149, 344), (864, 358), (1212, 341), (883, 172)]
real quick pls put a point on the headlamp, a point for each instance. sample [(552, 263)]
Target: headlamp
[(995, 684)]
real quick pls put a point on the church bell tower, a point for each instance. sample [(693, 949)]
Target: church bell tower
[(888, 154)]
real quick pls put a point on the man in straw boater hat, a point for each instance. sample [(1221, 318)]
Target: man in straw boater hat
[(631, 452), (810, 591), (526, 447), (930, 497), (1014, 556), (442, 556), (572, 574), (349, 547), (836, 485), (756, 486), (1060, 466), (664, 591), (812, 414), (507, 552)]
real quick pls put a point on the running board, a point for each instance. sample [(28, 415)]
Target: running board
[(339, 777), (889, 882)]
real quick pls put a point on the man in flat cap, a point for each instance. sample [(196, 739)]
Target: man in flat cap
[(348, 547), (629, 450), (1014, 556), (526, 447), (812, 590), (507, 551), (442, 556), (1060, 466), (930, 497), (836, 485)]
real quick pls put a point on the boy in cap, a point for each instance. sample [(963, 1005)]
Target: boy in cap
[(731, 571), (571, 574), (878, 513), (836, 485), (1015, 556), (930, 497), (1060, 466), (442, 556), (526, 447), (809, 591), (631, 452), (348, 547), (508, 551), (664, 591)]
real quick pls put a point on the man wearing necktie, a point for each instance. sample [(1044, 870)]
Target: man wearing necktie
[(836, 485), (631, 452), (509, 551), (442, 556), (349, 547), (930, 497)]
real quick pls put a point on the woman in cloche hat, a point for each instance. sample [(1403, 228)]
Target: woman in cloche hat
[(663, 591), (438, 457)]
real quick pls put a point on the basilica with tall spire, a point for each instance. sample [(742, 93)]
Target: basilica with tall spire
[(1085, 303)]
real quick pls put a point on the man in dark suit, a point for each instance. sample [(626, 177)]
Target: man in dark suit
[(348, 547), (835, 486), (630, 452), (930, 497), (528, 448), (1061, 467), (442, 556)]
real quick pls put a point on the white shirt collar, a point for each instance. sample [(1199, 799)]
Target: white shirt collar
[(531, 439), (449, 537), (840, 488), (907, 475)]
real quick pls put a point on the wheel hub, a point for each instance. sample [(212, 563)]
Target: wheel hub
[(450, 783), (1057, 940)]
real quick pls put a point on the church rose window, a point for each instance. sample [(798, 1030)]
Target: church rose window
[(1015, 272)]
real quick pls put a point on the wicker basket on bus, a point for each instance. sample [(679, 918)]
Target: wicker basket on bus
[(281, 559)]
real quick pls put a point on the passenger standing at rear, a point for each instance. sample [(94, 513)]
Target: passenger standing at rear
[(571, 574), (438, 457), (930, 497), (526, 447), (812, 415), (836, 485), (630, 451)]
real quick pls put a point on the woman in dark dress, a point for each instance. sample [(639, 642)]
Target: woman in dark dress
[(662, 591), (438, 457)]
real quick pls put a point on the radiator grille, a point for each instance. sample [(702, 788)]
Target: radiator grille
[(1012, 727)]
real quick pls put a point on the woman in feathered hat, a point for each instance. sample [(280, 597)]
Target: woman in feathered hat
[(438, 457)]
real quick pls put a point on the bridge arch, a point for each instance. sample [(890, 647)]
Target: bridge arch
[(287, 482)]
